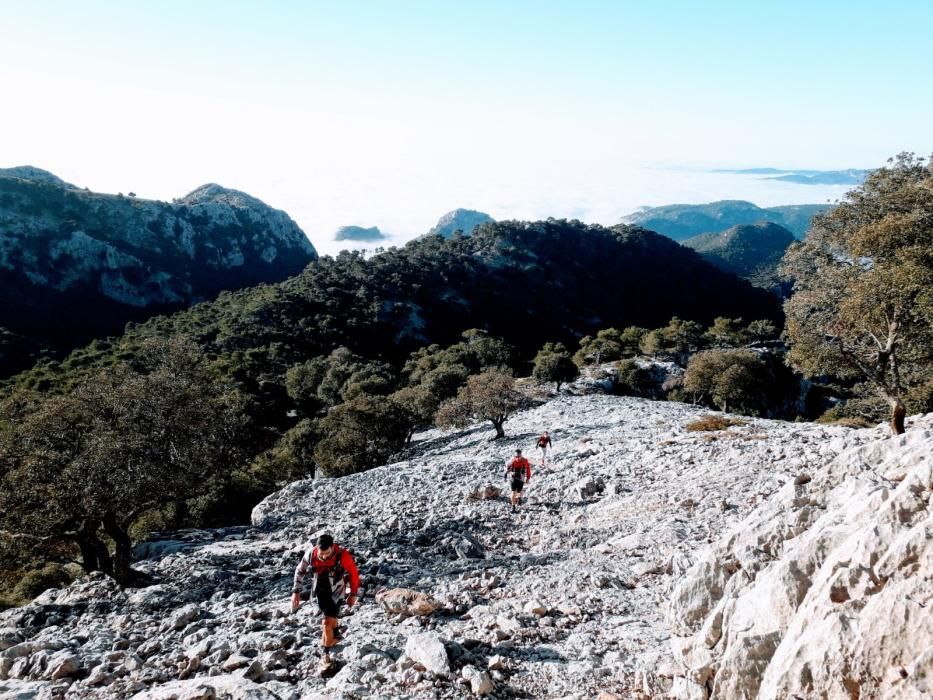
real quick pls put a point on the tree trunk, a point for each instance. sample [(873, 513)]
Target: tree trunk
[(104, 560), (179, 514), (558, 387), (500, 433), (898, 414), (123, 549), (90, 545)]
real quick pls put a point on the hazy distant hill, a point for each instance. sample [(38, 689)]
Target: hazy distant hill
[(459, 220), (75, 265), (359, 233), (680, 221), (751, 251)]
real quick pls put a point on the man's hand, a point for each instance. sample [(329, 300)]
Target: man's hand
[(351, 601), (296, 601)]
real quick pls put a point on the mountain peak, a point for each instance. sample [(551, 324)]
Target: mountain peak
[(30, 172), (212, 192), (459, 219)]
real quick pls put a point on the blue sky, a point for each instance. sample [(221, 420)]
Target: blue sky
[(389, 111)]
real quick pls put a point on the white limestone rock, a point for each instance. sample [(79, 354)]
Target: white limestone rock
[(427, 649), (822, 590)]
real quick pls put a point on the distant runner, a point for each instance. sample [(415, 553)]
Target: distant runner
[(544, 442), (518, 471), (332, 568)]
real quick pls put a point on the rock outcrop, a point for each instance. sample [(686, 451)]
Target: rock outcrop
[(565, 599), (76, 265), (824, 590)]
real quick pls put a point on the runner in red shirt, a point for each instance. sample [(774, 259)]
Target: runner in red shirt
[(332, 568), (518, 471)]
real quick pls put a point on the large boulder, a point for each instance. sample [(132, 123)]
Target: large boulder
[(427, 649)]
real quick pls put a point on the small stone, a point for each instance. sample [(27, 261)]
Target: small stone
[(496, 663), (535, 607)]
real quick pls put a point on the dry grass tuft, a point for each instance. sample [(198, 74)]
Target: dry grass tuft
[(711, 422)]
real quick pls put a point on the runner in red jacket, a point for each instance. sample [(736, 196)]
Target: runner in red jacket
[(519, 471), (332, 568)]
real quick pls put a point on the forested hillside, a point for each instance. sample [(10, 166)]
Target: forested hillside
[(528, 283)]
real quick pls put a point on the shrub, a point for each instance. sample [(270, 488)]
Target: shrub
[(632, 380), (36, 581), (359, 435)]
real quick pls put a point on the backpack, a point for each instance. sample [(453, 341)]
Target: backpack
[(338, 577), (517, 469)]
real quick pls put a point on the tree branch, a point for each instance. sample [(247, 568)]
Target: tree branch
[(73, 535)]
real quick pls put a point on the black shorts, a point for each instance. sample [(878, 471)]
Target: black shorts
[(517, 485), (326, 602)]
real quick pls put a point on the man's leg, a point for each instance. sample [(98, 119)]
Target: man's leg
[(330, 610), (328, 627)]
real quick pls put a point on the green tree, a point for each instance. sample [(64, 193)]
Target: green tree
[(554, 364), (360, 434), (605, 347), (726, 332), (347, 375), (302, 382), (733, 380), (653, 343), (761, 330), (862, 305), (677, 340), (683, 338), (129, 441), (631, 339), (488, 396), (290, 459), (418, 405)]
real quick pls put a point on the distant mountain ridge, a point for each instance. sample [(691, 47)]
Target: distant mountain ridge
[(75, 264), (848, 176), (681, 221), (751, 251)]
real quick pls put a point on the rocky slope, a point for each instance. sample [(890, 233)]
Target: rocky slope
[(76, 264), (825, 590), (567, 598), (751, 251), (681, 221)]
